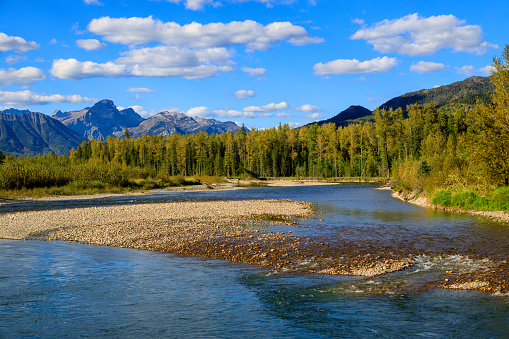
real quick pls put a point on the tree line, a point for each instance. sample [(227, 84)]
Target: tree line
[(420, 147)]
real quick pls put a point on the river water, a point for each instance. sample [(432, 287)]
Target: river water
[(62, 289)]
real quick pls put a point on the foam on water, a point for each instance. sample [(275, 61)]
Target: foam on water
[(456, 263)]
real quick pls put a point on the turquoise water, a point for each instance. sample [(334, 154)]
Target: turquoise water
[(62, 289)]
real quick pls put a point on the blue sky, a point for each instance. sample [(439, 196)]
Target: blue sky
[(256, 62)]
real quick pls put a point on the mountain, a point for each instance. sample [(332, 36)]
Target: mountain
[(99, 121), (104, 119), (458, 95), (169, 123), (461, 94), (351, 115), (30, 133)]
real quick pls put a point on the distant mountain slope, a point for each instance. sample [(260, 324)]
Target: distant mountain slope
[(31, 133), (461, 94), (169, 123), (99, 121), (351, 115)]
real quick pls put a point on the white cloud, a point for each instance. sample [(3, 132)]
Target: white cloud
[(243, 94), (161, 61), (254, 71), (313, 116), (428, 67), (414, 35), (487, 70), (307, 109), (93, 2), (90, 44), (294, 124), (140, 90), (203, 111), (199, 4), (172, 56), (73, 69), (272, 107), (14, 59), (135, 31), (30, 98), (466, 70), (284, 115), (345, 66), (22, 76), (15, 43), (141, 111), (358, 21)]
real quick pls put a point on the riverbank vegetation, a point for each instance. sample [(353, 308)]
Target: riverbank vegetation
[(458, 159)]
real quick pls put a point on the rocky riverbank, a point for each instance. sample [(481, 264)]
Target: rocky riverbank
[(228, 230)]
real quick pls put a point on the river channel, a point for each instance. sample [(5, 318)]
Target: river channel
[(63, 289)]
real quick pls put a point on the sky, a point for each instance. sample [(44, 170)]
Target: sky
[(260, 63)]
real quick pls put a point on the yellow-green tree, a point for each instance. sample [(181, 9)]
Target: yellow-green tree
[(489, 128)]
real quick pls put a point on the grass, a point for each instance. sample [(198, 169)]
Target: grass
[(496, 200)]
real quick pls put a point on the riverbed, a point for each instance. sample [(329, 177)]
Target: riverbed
[(60, 288)]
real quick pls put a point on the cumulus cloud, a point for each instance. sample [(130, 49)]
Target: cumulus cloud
[(358, 21), (161, 61), (14, 59), (203, 111), (254, 71), (173, 56), (22, 76), (284, 115), (414, 35), (307, 109), (467, 70), (272, 107), (428, 67), (140, 90), (345, 66), (313, 116), (199, 4), (294, 124), (93, 2), (243, 94), (30, 98), (90, 44), (135, 31), (15, 43), (487, 70), (73, 69)]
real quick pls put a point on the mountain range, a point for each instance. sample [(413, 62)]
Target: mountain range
[(26, 133)]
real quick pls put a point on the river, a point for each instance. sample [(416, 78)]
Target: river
[(60, 289)]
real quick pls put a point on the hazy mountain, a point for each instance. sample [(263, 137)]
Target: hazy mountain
[(28, 133), (169, 123), (99, 121), (461, 94)]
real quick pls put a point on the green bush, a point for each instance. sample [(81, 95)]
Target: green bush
[(442, 198)]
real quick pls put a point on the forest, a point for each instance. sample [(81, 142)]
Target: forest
[(422, 149)]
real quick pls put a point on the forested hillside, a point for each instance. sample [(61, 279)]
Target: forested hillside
[(422, 149)]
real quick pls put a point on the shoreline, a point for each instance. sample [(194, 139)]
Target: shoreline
[(231, 184), (422, 201)]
